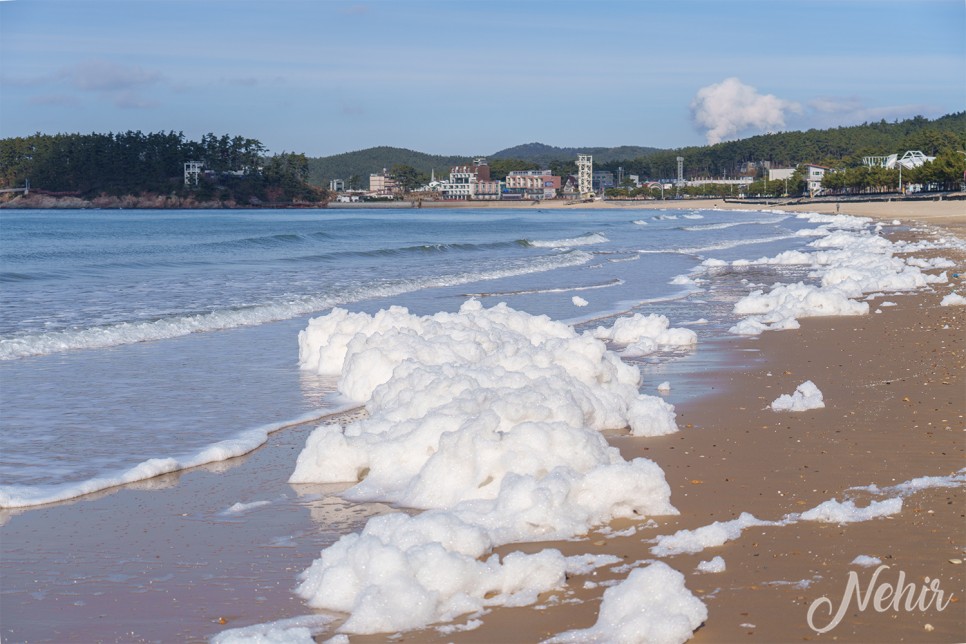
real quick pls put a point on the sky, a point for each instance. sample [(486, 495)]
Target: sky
[(457, 77)]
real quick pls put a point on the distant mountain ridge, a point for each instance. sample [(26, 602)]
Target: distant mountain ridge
[(360, 164), (544, 154), (841, 146)]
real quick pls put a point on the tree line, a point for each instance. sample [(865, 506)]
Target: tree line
[(839, 149), (135, 163)]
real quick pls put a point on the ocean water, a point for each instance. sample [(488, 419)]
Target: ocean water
[(133, 343)]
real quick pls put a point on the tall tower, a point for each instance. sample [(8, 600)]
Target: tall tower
[(585, 174), (191, 171), (680, 170)]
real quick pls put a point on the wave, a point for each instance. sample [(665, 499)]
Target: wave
[(584, 240), (723, 245), (22, 496), (281, 239), (731, 224), (12, 348), (563, 289)]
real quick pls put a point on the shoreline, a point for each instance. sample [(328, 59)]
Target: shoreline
[(179, 513)]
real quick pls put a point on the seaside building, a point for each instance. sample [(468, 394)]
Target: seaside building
[(532, 184), (570, 187), (382, 184), (470, 182), (602, 180), (585, 174), (911, 159), (192, 169), (337, 185), (813, 178)]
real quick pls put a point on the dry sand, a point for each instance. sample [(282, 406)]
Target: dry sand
[(160, 561)]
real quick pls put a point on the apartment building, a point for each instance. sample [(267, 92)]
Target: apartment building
[(532, 184)]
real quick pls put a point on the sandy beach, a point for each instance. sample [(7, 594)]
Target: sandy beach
[(895, 399)]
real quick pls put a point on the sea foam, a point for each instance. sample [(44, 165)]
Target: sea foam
[(490, 420), (848, 263)]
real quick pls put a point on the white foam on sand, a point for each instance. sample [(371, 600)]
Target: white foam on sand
[(866, 561), (806, 396), (652, 605), (490, 420), (953, 299), (714, 565), (848, 263), (833, 511), (714, 534), (645, 334), (296, 630)]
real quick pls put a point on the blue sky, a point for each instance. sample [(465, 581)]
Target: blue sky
[(471, 78)]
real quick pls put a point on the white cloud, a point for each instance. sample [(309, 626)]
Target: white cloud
[(726, 109)]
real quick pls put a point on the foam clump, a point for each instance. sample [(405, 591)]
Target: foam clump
[(490, 420), (807, 396), (709, 536), (953, 299), (652, 605), (295, 630), (781, 307), (579, 301), (645, 334), (833, 511), (866, 561), (848, 262), (714, 565)]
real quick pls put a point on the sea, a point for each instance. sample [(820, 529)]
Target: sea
[(134, 343)]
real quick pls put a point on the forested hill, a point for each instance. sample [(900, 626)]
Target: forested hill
[(837, 147), (843, 146), (235, 169), (355, 167), (547, 154)]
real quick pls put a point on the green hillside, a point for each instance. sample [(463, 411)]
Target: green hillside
[(843, 146), (547, 154), (359, 165), (837, 147), (355, 167)]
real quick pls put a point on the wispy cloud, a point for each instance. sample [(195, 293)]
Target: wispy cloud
[(55, 100), (852, 111), (107, 76)]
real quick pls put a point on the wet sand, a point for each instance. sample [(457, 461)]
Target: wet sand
[(162, 560)]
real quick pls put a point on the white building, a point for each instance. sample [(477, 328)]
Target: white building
[(911, 159), (470, 182), (813, 178)]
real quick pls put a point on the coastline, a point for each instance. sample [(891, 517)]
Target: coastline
[(845, 356)]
